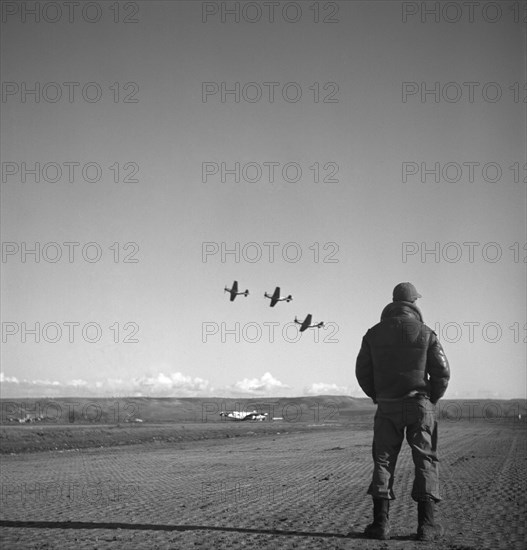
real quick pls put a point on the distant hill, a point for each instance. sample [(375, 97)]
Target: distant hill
[(71, 410), (310, 409)]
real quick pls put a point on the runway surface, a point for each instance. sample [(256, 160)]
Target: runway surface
[(260, 490)]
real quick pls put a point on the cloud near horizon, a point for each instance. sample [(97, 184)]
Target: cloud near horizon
[(173, 384), (321, 388), (266, 386), (177, 384)]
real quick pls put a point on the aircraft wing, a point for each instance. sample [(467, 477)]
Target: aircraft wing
[(306, 323), (234, 290), (234, 415), (254, 416), (276, 295)]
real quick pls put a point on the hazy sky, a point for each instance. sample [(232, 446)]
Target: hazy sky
[(381, 144)]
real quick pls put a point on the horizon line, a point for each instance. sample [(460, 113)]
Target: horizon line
[(131, 397)]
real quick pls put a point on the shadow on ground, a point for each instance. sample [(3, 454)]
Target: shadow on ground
[(160, 527)]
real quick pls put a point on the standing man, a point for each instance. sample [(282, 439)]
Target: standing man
[(402, 367)]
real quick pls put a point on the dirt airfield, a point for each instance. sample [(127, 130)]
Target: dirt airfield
[(193, 481)]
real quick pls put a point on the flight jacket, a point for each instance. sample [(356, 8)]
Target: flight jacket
[(401, 357)]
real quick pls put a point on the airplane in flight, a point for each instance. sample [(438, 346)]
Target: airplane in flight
[(242, 415), (276, 297), (234, 291), (306, 323)]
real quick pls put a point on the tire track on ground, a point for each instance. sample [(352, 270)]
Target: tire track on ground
[(304, 491)]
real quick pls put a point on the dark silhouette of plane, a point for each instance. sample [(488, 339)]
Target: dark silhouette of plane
[(306, 323), (276, 297), (234, 291)]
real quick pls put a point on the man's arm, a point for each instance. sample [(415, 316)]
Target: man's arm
[(364, 370), (438, 369)]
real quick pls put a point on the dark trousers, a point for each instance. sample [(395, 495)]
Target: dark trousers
[(418, 416)]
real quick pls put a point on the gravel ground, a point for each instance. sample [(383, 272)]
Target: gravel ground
[(264, 489)]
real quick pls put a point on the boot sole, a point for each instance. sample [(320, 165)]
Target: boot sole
[(378, 536), (431, 536)]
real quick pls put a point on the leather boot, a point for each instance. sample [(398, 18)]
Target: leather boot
[(427, 528), (380, 528)]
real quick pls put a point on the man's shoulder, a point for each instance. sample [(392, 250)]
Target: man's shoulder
[(407, 331), (398, 322), (429, 330), (372, 330)]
